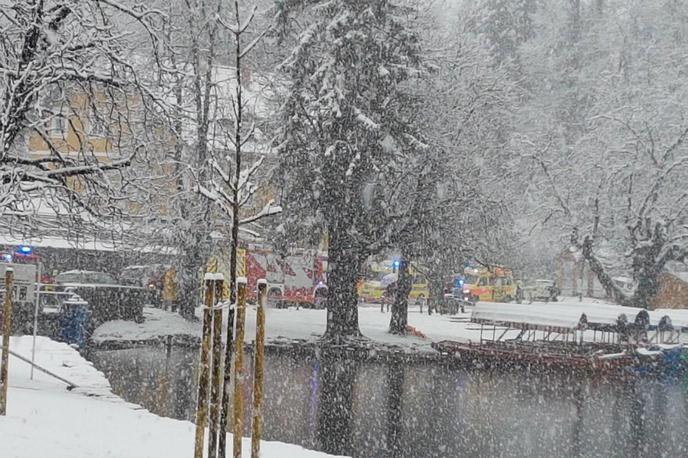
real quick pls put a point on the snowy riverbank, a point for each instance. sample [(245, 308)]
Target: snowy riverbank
[(291, 324), (44, 419), (305, 324)]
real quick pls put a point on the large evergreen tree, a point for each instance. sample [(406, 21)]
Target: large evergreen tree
[(347, 135)]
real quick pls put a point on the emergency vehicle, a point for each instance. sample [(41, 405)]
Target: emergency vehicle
[(490, 284), (377, 276), (299, 278)]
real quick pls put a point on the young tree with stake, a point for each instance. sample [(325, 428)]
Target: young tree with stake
[(228, 184)]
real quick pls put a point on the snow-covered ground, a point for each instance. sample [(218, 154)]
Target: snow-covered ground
[(157, 323), (307, 324), (45, 420), (289, 324)]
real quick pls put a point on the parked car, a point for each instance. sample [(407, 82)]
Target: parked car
[(542, 290), (85, 277), (147, 276)]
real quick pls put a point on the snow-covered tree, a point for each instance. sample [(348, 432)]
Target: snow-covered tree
[(347, 135), (194, 44), (458, 212), (229, 184), (68, 73), (606, 178), (505, 23)]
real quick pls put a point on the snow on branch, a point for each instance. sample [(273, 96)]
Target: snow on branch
[(269, 209), (216, 197), (73, 55), (246, 175), (365, 120), (416, 142), (220, 171), (238, 29)]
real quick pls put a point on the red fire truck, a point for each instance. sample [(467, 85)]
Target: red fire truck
[(299, 278)]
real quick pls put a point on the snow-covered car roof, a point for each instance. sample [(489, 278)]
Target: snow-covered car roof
[(80, 276)]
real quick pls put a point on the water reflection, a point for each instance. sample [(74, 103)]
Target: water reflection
[(365, 409), (637, 430), (336, 409), (394, 383), (578, 402)]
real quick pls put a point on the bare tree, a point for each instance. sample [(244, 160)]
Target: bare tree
[(229, 184), (191, 42), (457, 209), (66, 63), (612, 191)]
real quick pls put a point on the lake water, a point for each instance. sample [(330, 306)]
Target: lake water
[(432, 409)]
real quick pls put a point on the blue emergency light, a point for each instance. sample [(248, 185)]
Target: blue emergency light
[(25, 250)]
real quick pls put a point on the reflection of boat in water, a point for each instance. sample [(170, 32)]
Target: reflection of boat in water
[(590, 357), (580, 336)]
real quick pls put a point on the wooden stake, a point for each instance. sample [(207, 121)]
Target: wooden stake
[(238, 404), (6, 331), (216, 364), (226, 385), (259, 362), (203, 367), (35, 317)]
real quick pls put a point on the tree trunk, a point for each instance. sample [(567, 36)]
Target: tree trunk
[(646, 290), (596, 266), (189, 288), (436, 287), (646, 268), (335, 427), (399, 320), (342, 297), (395, 391)]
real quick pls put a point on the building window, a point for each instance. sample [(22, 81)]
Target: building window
[(57, 125), (96, 127)]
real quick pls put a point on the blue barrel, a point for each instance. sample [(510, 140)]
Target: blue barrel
[(73, 322)]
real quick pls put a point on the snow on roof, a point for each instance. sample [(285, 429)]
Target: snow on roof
[(56, 242), (566, 315), (524, 315), (77, 271), (81, 244)]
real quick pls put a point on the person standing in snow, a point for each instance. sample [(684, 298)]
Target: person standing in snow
[(554, 292), (169, 289), (388, 296)]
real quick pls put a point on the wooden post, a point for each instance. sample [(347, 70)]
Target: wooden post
[(258, 369), (6, 331), (35, 317), (238, 404), (203, 367), (216, 364), (227, 379)]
